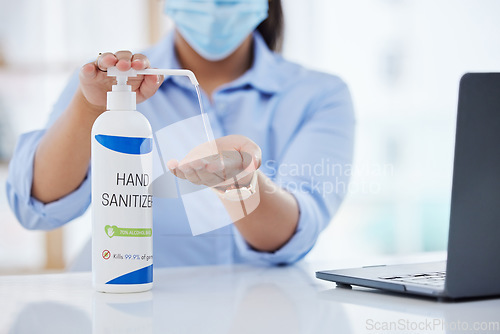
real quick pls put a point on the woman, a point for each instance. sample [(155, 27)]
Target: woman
[(290, 120)]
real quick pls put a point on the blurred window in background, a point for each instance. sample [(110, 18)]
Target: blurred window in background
[(403, 61)]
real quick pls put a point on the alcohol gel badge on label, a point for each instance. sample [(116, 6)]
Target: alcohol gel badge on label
[(115, 231)]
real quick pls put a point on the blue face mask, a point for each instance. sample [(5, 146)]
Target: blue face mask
[(215, 28)]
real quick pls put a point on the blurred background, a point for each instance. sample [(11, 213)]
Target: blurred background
[(402, 60)]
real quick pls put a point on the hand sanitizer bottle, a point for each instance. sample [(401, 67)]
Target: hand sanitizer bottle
[(121, 169)]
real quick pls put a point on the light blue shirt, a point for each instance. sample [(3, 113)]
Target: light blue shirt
[(302, 120)]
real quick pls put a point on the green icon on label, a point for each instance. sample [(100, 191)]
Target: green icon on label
[(114, 231)]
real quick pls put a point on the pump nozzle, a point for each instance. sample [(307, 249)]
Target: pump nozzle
[(122, 98), (123, 75)]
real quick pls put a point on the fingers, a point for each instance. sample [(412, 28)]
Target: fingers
[(248, 161), (194, 171), (105, 60), (207, 178), (147, 86), (89, 71), (144, 85), (173, 165), (215, 170), (215, 164), (249, 150), (98, 68), (191, 174), (140, 62), (95, 81), (228, 166), (184, 172), (238, 159), (123, 60), (197, 173)]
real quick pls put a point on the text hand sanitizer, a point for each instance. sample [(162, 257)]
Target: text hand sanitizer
[(122, 220)]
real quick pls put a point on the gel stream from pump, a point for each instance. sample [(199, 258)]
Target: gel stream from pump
[(204, 116)]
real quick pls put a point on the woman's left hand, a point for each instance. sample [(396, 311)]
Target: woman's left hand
[(236, 160)]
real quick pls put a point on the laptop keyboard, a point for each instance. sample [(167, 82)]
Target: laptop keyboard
[(434, 279)]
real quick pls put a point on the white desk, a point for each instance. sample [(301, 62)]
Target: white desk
[(239, 299)]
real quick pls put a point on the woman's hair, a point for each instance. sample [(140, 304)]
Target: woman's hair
[(272, 28)]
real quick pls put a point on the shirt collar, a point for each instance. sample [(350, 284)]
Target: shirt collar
[(262, 75)]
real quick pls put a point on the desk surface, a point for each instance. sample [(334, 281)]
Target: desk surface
[(229, 299)]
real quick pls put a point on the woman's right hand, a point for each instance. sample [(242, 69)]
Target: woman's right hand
[(94, 82)]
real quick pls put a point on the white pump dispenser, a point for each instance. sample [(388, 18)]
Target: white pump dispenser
[(122, 170), (122, 98)]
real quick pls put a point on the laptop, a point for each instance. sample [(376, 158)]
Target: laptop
[(472, 268)]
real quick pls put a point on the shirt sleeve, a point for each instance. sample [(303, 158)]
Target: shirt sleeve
[(315, 168), (31, 213)]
